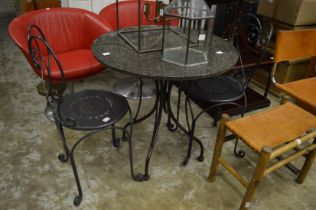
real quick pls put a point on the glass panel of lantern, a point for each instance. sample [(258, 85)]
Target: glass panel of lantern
[(189, 43)]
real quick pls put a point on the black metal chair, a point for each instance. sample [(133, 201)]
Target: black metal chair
[(87, 110), (224, 90)]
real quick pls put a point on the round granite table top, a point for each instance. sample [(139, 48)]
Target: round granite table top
[(111, 50)]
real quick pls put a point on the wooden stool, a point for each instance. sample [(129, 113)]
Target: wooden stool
[(270, 133)]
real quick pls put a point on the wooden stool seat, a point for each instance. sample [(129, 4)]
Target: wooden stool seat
[(273, 127), (303, 90)]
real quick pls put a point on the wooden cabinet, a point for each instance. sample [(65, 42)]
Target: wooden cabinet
[(23, 6), (40, 4)]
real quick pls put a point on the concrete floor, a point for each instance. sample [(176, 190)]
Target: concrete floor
[(31, 177)]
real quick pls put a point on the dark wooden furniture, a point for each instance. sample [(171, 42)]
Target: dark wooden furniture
[(23, 6)]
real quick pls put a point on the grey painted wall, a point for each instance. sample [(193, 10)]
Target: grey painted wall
[(6, 6)]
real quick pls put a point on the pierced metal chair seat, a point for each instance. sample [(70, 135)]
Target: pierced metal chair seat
[(87, 110), (218, 89), (91, 109)]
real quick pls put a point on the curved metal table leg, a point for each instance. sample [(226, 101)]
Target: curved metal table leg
[(136, 119), (158, 108), (63, 157), (173, 126), (181, 127), (162, 103)]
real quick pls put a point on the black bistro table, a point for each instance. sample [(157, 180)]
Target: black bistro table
[(111, 50)]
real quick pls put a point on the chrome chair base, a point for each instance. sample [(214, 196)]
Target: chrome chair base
[(49, 113), (130, 88)]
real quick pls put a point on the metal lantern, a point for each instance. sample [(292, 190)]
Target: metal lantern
[(188, 44), (146, 35)]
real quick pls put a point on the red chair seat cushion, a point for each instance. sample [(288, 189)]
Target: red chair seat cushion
[(70, 32), (79, 63)]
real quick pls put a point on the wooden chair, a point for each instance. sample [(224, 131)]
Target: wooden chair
[(296, 45), (271, 133)]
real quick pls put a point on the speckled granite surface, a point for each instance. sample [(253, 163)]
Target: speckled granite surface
[(122, 57), (31, 177)]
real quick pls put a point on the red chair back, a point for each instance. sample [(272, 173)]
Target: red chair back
[(66, 30), (128, 14)]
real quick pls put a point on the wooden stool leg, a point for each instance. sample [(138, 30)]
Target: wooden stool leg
[(284, 99), (264, 158), (307, 165), (218, 147)]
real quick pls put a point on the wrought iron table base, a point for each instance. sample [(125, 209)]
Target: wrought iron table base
[(162, 104)]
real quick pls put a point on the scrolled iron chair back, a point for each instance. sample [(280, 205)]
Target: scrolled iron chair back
[(43, 57), (248, 24), (248, 28), (261, 43), (35, 30)]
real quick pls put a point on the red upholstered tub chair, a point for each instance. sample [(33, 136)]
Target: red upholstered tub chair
[(128, 13), (70, 32)]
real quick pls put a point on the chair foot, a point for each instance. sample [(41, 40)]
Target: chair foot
[(141, 177), (200, 158), (211, 178), (124, 138), (185, 161), (77, 200), (239, 153), (171, 126), (116, 142), (62, 157)]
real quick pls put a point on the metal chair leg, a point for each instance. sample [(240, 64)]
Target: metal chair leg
[(238, 153), (115, 140), (170, 125), (241, 153), (78, 198), (187, 157), (63, 157)]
